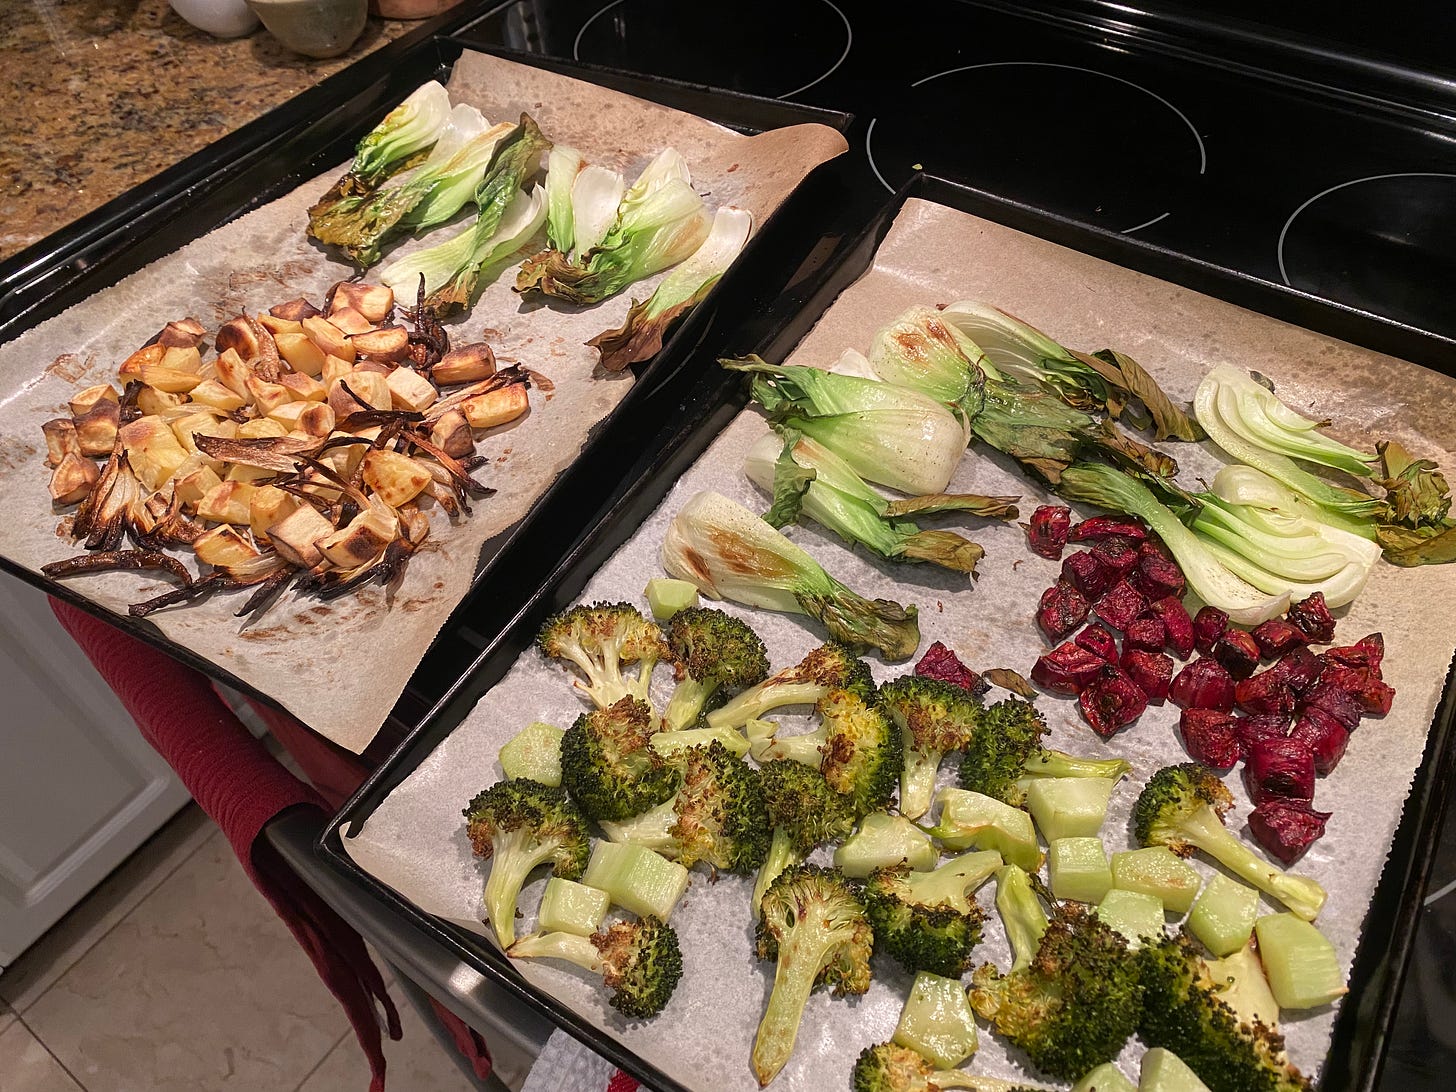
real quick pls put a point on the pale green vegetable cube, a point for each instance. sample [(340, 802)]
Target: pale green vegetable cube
[(667, 596), (1069, 807), (1079, 869), (1159, 872), (571, 907), (1105, 1078), (883, 840), (1132, 914), (534, 752), (937, 1021), (1223, 916), (1164, 1071), (1301, 964), (1242, 986), (636, 878), (972, 820)]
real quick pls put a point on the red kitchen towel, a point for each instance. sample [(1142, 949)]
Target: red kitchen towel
[(242, 787)]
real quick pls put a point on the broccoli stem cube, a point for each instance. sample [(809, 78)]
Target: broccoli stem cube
[(882, 841), (937, 1021), (1105, 1078), (534, 752), (1079, 869), (636, 878), (1069, 807), (667, 596), (972, 820), (1164, 1071), (571, 907), (1133, 914), (1159, 872), (1303, 970), (1223, 917)]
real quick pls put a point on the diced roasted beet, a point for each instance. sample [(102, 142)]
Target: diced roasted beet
[(1286, 828), (1062, 609), (1118, 556), (1276, 637), (1210, 737), (1312, 618), (1046, 534), (1086, 573), (1279, 768), (1209, 624), (1265, 692), (1101, 527), (1146, 633), (1337, 702), (1299, 669), (940, 662), (1237, 651), (1203, 684), (1152, 671), (1156, 574), (1370, 692), (1324, 735), (1176, 624), (1263, 726), (1120, 605), (1067, 669), (1100, 641), (1368, 651), (1112, 702)]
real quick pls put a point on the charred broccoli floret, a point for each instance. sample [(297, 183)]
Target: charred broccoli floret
[(934, 718), (1184, 1014), (710, 651), (928, 920), (518, 825), (804, 813), (828, 667), (856, 747), (813, 926), (889, 1067), (1077, 1002), (608, 765), (1182, 807), (639, 961), (599, 640), (718, 814), (1007, 750)]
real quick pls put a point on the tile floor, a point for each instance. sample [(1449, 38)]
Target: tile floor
[(175, 974)]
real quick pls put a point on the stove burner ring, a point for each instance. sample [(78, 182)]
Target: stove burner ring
[(1284, 231), (848, 43), (1197, 136)]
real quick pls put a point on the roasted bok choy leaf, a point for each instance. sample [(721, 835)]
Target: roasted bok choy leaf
[(730, 553)]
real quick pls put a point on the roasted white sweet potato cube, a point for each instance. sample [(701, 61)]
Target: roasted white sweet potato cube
[(268, 507), (496, 407), (297, 535), (96, 427), (233, 373), (248, 475), (131, 367), (239, 335), (369, 387), (299, 350), (60, 440), (169, 380), (334, 367), (467, 364), (150, 400), (303, 388), (182, 358), (373, 301), (389, 343), (73, 478), (267, 396), (319, 486), (329, 338), (350, 321), (311, 418), (85, 399), (453, 435), (410, 390), (275, 326), (182, 334), (362, 541), (153, 450), (211, 392), (394, 477), (294, 310), (223, 546), (191, 486), (187, 428), (260, 427), (227, 502)]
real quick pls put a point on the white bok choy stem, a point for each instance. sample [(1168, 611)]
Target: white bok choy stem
[(563, 165)]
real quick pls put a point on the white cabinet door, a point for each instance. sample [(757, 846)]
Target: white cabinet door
[(79, 787)]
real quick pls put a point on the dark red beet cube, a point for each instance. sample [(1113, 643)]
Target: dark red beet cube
[(1100, 527), (1266, 692), (1264, 726), (1100, 641), (1209, 624), (1146, 633), (1210, 737), (1286, 828), (1112, 702), (1203, 684), (1062, 609), (1368, 651), (1237, 651), (1067, 669), (1046, 534), (1084, 572), (1157, 575), (1176, 624), (1338, 703), (1312, 618), (1152, 671), (1118, 556), (1276, 637), (1299, 669), (1324, 735), (1282, 768), (1120, 605), (1370, 692), (940, 662)]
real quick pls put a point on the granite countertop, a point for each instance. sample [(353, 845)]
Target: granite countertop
[(103, 94)]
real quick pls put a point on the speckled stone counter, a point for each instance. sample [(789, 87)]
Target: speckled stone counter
[(100, 95)]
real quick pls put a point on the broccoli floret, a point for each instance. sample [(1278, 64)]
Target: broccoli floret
[(1182, 807), (709, 650), (1182, 1013), (517, 825), (1019, 897), (934, 718), (1007, 751), (608, 765), (639, 961), (1077, 1002), (804, 813), (813, 926), (599, 639), (889, 1067), (718, 814), (828, 667), (927, 920)]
